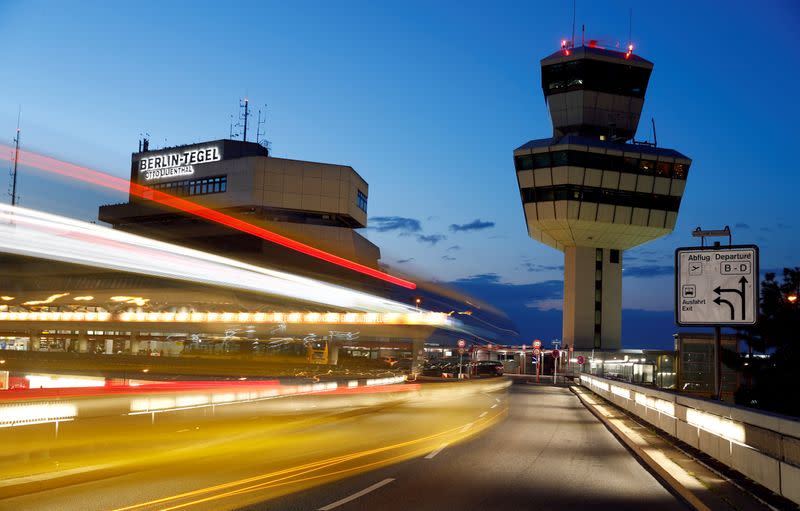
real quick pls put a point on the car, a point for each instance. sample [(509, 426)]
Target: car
[(488, 368)]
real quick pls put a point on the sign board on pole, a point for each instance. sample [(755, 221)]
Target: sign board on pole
[(536, 351), (716, 286), (581, 359), (537, 344), (461, 351), (462, 343), (556, 353)]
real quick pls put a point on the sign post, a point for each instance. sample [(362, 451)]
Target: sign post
[(461, 344), (556, 357), (716, 286), (537, 353)]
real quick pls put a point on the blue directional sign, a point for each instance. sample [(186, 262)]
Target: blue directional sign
[(716, 286)]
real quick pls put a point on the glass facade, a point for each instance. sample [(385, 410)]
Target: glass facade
[(202, 186), (646, 166), (361, 201), (600, 196), (595, 75)]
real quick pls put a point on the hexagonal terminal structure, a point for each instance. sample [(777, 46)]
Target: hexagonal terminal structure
[(591, 194)]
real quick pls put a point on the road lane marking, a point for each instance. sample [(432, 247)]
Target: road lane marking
[(481, 416), (437, 451), (494, 405), (357, 495), (466, 427), (497, 400), (183, 430)]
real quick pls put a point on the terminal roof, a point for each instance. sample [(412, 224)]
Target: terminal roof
[(605, 144), (594, 51)]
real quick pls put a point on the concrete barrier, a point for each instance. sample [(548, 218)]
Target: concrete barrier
[(765, 447)]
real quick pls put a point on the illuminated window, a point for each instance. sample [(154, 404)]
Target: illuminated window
[(361, 202), (680, 170), (663, 168)]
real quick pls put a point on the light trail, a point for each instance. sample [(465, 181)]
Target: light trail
[(103, 179), (33, 233)]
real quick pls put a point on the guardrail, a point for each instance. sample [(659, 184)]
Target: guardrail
[(765, 447)]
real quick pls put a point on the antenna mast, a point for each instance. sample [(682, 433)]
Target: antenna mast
[(630, 26), (246, 115), (16, 161), (572, 42), (260, 123)]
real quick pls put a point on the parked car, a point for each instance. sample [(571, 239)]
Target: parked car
[(488, 368)]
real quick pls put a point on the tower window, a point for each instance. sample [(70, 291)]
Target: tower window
[(613, 256)]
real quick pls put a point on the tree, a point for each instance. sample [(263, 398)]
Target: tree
[(769, 381)]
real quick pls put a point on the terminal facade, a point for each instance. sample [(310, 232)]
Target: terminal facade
[(319, 204), (590, 190)]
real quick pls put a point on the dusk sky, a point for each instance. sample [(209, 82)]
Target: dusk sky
[(427, 101)]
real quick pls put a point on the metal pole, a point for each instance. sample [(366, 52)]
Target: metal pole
[(14, 176), (717, 363), (555, 370)]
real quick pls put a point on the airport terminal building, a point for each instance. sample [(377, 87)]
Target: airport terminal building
[(320, 204)]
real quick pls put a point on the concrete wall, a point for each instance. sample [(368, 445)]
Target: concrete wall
[(763, 446)]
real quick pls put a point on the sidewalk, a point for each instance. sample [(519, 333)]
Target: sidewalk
[(698, 484)]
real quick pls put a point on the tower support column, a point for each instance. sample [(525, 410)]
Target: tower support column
[(592, 315)]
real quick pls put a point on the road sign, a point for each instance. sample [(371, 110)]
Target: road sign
[(461, 351), (537, 344), (462, 343), (556, 353), (716, 285), (536, 351), (581, 359)]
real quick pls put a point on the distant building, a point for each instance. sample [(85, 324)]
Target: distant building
[(589, 190), (319, 204)]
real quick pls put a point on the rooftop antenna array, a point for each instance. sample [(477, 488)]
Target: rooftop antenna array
[(265, 143), (572, 41), (144, 142), (244, 105), (13, 193)]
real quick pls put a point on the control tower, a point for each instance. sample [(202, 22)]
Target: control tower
[(590, 190)]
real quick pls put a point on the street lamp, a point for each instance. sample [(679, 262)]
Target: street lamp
[(418, 301), (792, 298)]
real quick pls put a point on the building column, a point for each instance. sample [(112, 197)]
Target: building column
[(417, 355), (333, 353), (592, 298), (134, 343), (83, 342), (35, 342)]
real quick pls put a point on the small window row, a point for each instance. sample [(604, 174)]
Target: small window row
[(602, 162), (202, 186), (361, 201), (600, 196)]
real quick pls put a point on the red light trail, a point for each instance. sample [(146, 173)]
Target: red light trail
[(116, 183)]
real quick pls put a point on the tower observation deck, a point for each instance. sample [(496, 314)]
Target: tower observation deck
[(590, 191)]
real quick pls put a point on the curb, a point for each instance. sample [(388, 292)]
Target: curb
[(666, 478)]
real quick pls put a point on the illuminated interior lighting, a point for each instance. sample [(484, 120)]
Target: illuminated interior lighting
[(6, 298), (137, 300), (83, 298), (116, 183), (49, 299)]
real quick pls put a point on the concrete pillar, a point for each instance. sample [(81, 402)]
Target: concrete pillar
[(592, 298), (417, 355), (109, 347), (333, 353), (35, 342), (83, 342), (134, 343)]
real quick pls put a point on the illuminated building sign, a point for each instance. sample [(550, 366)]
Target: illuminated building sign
[(178, 163)]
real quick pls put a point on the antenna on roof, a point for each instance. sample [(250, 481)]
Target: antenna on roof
[(243, 117), (583, 33), (655, 137), (572, 41), (260, 123), (630, 26), (16, 161)]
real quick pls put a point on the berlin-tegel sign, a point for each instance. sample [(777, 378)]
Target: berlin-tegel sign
[(716, 285)]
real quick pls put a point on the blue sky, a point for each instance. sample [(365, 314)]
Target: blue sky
[(427, 101)]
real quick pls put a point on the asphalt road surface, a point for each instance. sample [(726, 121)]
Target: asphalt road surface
[(549, 453)]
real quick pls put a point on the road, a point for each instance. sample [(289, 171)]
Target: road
[(549, 453), (467, 446)]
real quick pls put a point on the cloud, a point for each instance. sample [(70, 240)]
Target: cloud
[(741, 226), (448, 258), (454, 247), (395, 223), (532, 267), (475, 225), (548, 304), (433, 239), (404, 261), (649, 271)]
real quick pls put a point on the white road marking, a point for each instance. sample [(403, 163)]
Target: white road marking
[(437, 451), (481, 416), (356, 495), (466, 427), (183, 430), (494, 405), (497, 400)]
